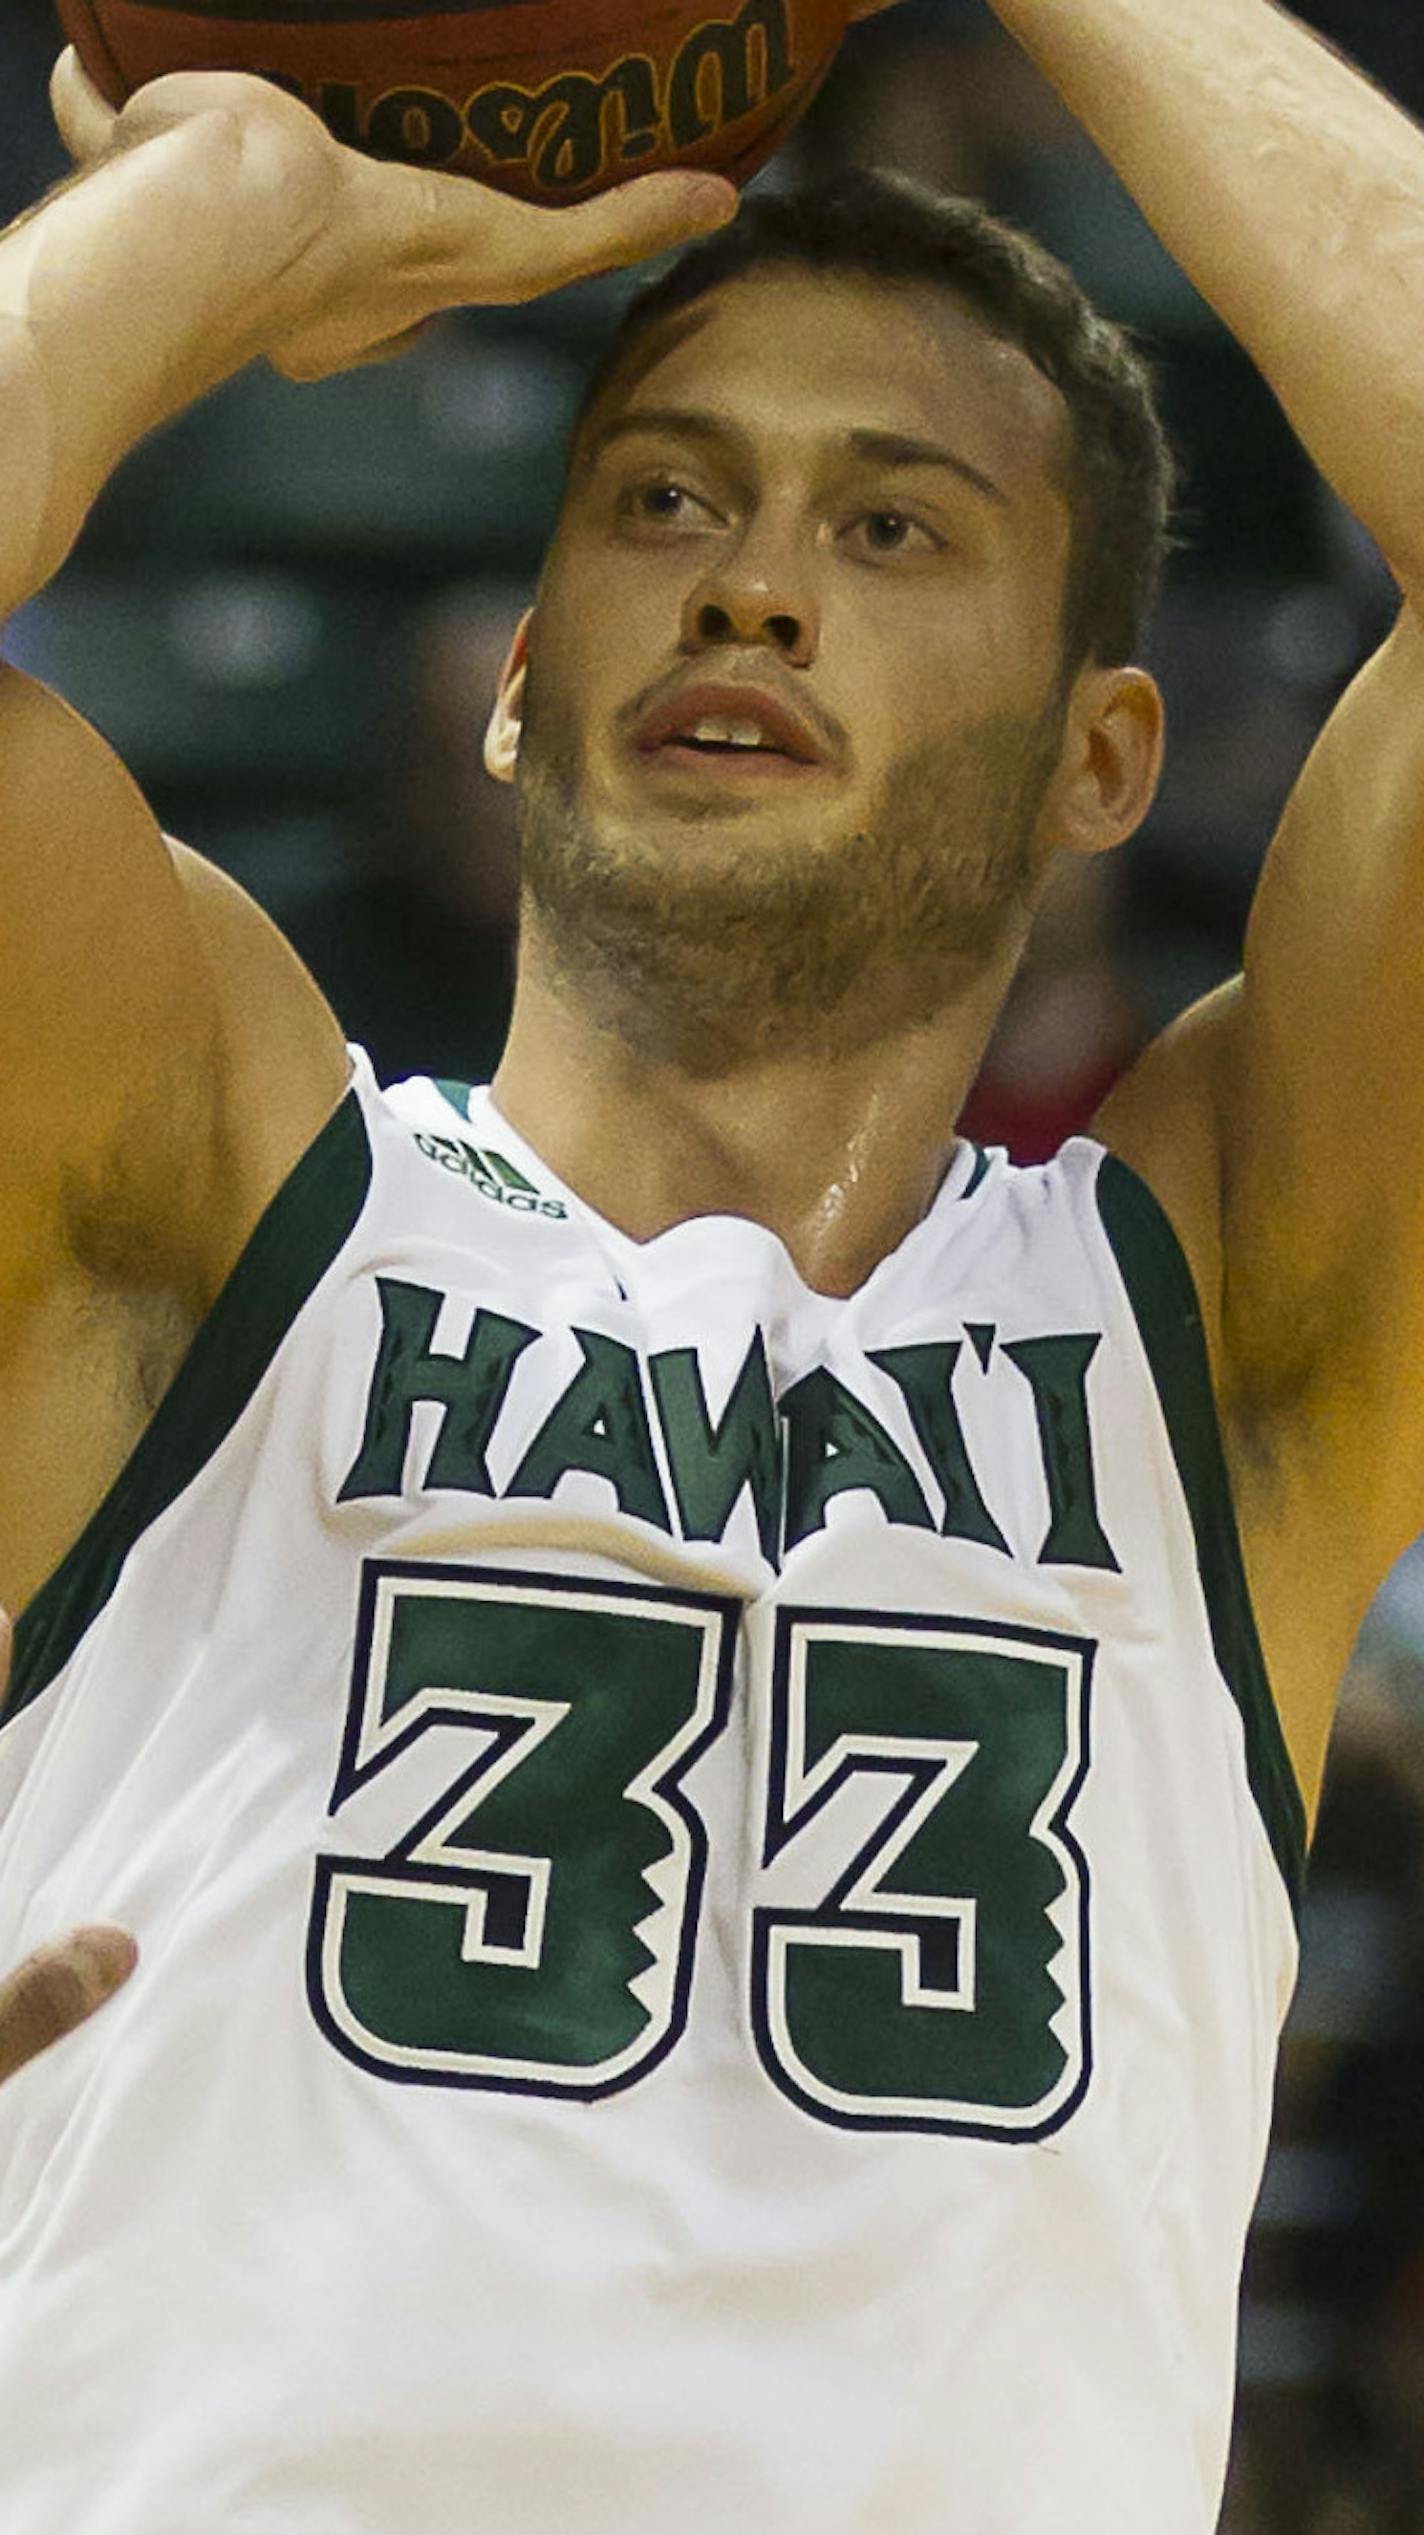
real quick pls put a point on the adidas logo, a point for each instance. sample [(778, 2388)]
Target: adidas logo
[(494, 1176)]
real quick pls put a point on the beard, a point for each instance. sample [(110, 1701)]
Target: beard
[(702, 945)]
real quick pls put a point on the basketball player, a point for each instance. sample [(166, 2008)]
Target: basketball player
[(705, 1701)]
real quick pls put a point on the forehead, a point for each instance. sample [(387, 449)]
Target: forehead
[(795, 356)]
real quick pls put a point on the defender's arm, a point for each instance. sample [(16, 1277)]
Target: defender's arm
[(59, 1986)]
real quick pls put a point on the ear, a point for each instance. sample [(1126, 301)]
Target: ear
[(506, 727), (1111, 764)]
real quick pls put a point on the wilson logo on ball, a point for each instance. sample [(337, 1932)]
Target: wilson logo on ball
[(575, 128), (551, 100)]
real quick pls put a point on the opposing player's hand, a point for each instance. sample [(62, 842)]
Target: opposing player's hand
[(57, 1987), (378, 249)]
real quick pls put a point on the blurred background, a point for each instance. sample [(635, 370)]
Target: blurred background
[(288, 614)]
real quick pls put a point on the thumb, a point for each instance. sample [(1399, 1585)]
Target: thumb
[(86, 121), (643, 218)]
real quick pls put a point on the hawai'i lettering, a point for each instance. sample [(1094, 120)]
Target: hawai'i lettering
[(576, 127), (791, 1456)]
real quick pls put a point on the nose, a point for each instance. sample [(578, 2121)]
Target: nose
[(749, 597)]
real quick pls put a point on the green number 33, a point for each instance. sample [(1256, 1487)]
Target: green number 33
[(534, 1926)]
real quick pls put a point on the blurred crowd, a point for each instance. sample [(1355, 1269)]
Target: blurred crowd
[(288, 614)]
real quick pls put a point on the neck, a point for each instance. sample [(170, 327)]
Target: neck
[(840, 1155)]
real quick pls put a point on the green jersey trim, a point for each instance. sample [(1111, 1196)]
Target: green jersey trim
[(1164, 1300), (458, 1094), (981, 1164), (289, 1251)]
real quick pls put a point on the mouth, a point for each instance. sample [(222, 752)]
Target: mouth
[(714, 723), (709, 762)]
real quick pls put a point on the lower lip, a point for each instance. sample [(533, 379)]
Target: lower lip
[(754, 765)]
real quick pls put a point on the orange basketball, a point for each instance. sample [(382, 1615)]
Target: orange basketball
[(552, 100)]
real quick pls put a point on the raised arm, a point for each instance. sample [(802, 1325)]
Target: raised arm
[(164, 1060), (125, 295), (1282, 1122)]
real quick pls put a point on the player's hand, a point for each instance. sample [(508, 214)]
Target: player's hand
[(870, 9), (374, 249), (57, 1987)]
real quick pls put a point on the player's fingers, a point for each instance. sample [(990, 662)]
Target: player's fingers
[(405, 244), (645, 218), (520, 250), (57, 1988), (86, 120)]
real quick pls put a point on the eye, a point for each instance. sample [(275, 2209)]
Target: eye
[(661, 501), (637, 502), (898, 520)]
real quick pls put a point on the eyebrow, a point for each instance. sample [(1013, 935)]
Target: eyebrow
[(886, 449)]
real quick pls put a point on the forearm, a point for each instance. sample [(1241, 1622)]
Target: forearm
[(124, 296), (1291, 192)]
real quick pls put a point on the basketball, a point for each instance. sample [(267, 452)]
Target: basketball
[(549, 100)]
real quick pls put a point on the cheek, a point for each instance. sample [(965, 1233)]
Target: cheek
[(580, 638), (545, 709)]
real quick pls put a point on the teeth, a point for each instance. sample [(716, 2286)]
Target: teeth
[(735, 734)]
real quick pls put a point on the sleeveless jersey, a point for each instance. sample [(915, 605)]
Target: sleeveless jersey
[(715, 1870)]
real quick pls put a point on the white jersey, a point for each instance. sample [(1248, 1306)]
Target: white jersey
[(715, 1872)]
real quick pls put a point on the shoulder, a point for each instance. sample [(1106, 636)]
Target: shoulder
[(283, 1065), (1285, 1468), (1161, 1121)]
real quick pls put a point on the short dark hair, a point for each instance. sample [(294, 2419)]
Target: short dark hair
[(1122, 475)]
